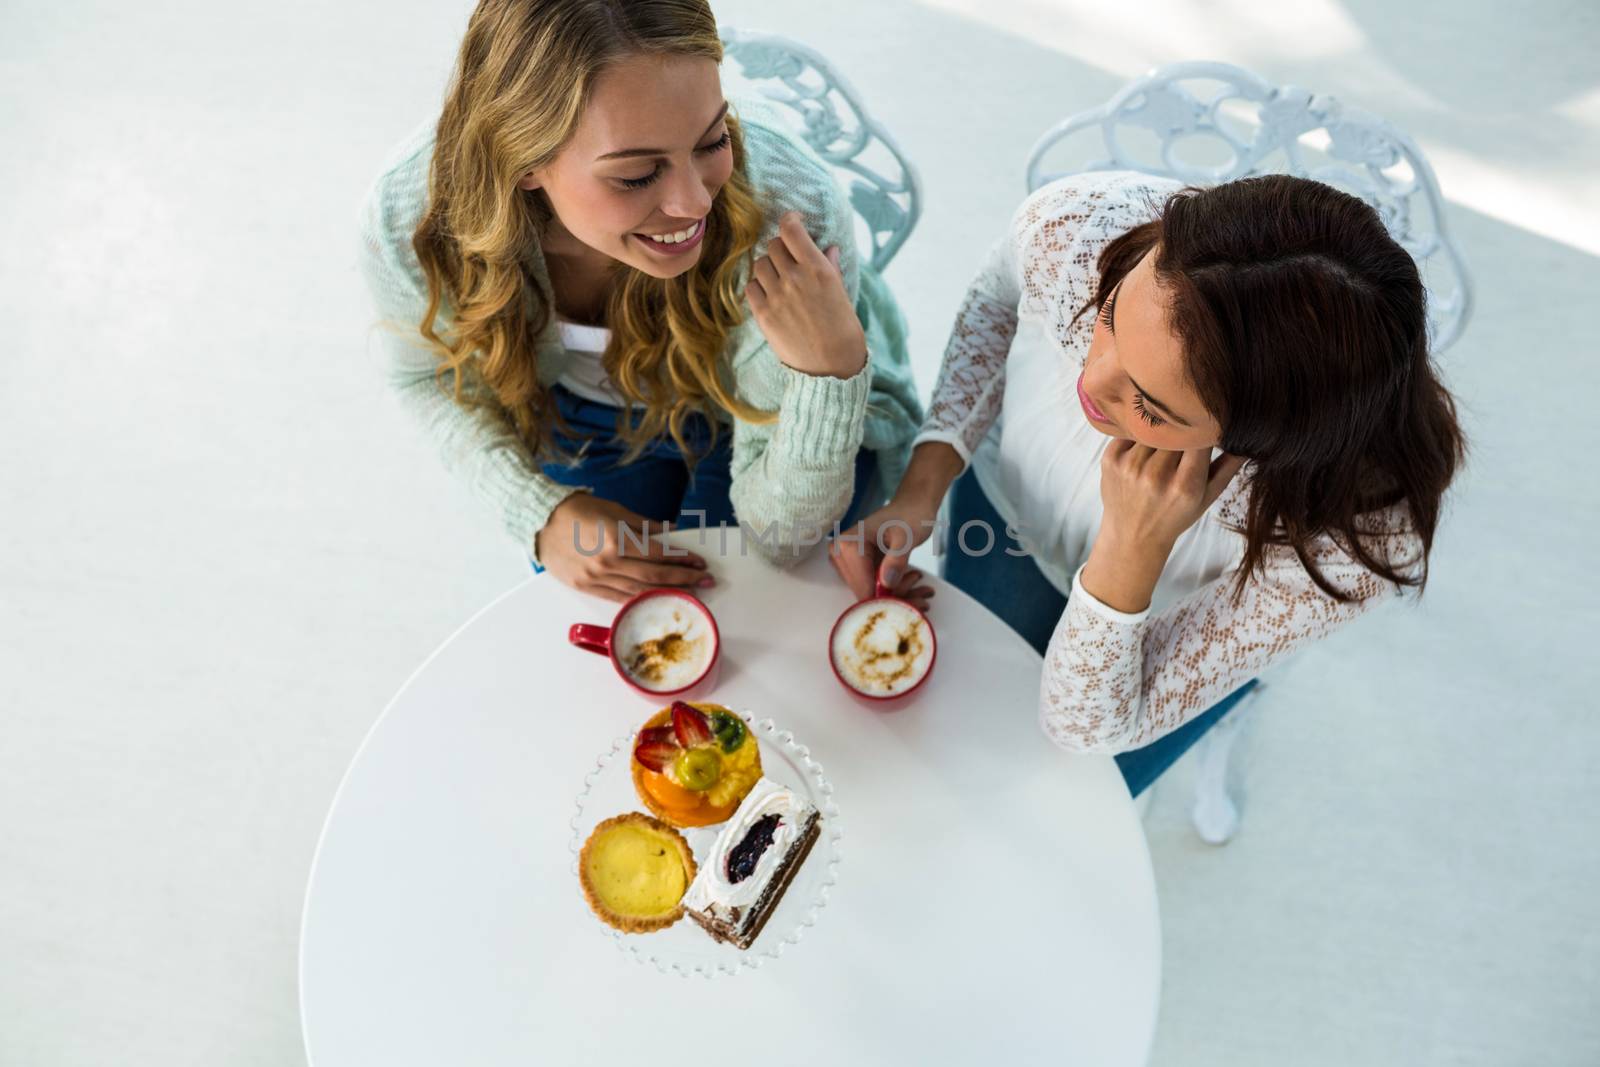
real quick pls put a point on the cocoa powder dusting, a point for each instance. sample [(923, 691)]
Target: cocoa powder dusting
[(652, 658), (887, 668)]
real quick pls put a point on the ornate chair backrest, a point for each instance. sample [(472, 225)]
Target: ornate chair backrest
[(883, 185), (1158, 124)]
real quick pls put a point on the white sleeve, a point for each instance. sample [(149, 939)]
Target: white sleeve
[(972, 377), (1048, 265), (1114, 681)]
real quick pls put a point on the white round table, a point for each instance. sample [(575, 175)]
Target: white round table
[(994, 904)]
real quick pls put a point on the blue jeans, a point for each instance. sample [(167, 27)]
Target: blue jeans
[(1015, 589), (659, 483)]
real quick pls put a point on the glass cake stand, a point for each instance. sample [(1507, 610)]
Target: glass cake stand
[(684, 948)]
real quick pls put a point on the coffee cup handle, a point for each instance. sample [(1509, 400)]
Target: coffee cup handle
[(881, 590), (591, 638)]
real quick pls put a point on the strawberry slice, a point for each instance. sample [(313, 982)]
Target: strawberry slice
[(691, 727), (656, 747), (661, 734)]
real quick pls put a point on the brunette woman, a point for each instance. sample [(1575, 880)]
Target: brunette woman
[(1208, 419)]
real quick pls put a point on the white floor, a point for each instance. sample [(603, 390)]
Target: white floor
[(223, 548)]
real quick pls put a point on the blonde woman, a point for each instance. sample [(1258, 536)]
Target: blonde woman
[(618, 300)]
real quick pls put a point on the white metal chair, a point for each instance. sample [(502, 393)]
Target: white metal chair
[(882, 183), (1207, 123)]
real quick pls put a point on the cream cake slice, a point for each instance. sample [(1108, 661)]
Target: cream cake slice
[(753, 861)]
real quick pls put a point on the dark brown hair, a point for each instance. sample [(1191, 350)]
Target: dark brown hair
[(1304, 329)]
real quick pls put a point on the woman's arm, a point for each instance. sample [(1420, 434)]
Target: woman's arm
[(478, 445), (966, 398), (1116, 680), (972, 375), (966, 401), (793, 480), (810, 360)]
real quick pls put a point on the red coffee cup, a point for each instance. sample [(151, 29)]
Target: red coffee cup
[(908, 626), (662, 642)]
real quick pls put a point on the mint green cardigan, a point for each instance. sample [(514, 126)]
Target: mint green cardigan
[(788, 477)]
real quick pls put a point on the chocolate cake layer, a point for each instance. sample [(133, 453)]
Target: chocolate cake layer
[(756, 918)]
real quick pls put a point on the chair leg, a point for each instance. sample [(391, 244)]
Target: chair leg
[(1215, 814)]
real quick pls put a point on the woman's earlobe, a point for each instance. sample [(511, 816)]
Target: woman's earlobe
[(528, 182)]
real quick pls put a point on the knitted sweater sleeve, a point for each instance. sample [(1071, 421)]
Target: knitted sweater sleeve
[(478, 443), (792, 479)]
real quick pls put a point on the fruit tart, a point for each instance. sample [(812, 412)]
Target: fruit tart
[(634, 871), (693, 763)]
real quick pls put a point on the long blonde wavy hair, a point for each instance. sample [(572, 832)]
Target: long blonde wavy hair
[(522, 81)]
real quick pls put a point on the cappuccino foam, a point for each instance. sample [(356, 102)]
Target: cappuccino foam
[(664, 644), (882, 647)]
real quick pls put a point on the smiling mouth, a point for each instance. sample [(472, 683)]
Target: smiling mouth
[(674, 243)]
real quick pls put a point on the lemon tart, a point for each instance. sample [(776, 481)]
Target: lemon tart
[(635, 870)]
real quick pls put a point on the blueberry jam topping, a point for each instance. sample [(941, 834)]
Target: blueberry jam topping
[(742, 860)]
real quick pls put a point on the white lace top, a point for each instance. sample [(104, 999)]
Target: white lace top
[(1006, 401)]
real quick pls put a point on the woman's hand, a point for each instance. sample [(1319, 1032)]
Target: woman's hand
[(876, 550), (797, 294), (1150, 497), (620, 568)]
